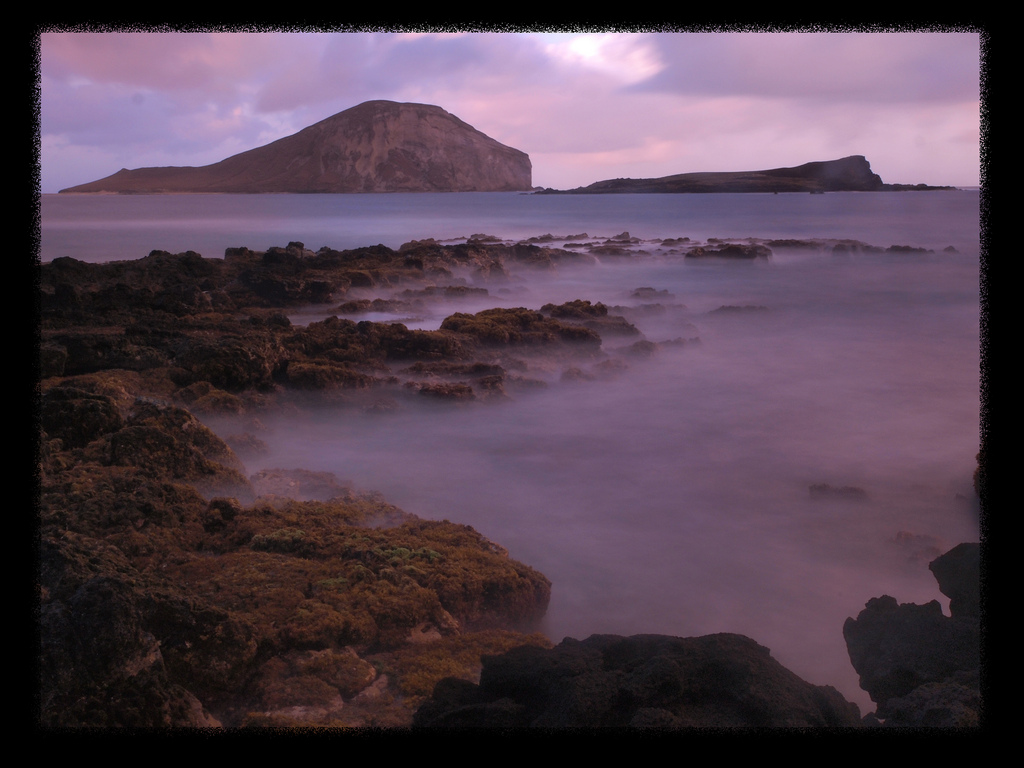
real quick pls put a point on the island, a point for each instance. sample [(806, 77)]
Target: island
[(849, 174), (377, 146)]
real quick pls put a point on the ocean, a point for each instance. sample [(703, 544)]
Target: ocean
[(674, 496)]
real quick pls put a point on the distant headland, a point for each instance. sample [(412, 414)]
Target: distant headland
[(849, 174), (377, 146)]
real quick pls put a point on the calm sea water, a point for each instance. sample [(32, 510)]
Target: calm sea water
[(113, 227), (675, 497)]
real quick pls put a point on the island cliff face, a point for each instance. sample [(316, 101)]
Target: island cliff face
[(849, 174), (378, 146)]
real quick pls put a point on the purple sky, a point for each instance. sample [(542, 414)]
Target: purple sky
[(585, 107)]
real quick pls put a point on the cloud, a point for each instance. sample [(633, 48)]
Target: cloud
[(852, 67), (625, 58), (173, 61)]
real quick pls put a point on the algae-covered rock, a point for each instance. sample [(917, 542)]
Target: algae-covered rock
[(103, 659), (159, 607), (78, 417), (519, 326)]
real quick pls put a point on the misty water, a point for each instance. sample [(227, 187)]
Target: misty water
[(674, 496)]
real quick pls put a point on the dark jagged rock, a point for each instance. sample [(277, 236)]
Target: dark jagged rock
[(230, 347), (795, 245), (959, 575), (641, 681), (377, 146), (233, 364), (74, 295), (647, 294), (592, 316), (919, 666), (447, 368), (897, 647), (731, 251), (170, 441), (101, 666), (907, 249), (448, 391), (118, 650), (845, 247), (78, 417), (642, 348), (315, 375)]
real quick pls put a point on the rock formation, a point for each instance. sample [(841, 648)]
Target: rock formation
[(378, 146), (923, 668), (847, 174), (643, 681)]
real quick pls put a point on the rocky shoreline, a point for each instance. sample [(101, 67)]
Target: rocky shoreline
[(175, 590)]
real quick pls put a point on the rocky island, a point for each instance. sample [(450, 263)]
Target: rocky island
[(177, 590), (850, 174), (377, 146)]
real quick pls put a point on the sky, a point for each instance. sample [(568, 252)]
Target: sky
[(584, 106)]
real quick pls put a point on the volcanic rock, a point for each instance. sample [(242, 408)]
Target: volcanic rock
[(639, 681), (731, 251), (959, 575), (923, 668), (377, 146), (78, 417)]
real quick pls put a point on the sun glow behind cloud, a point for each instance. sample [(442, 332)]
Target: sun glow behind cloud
[(627, 58)]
